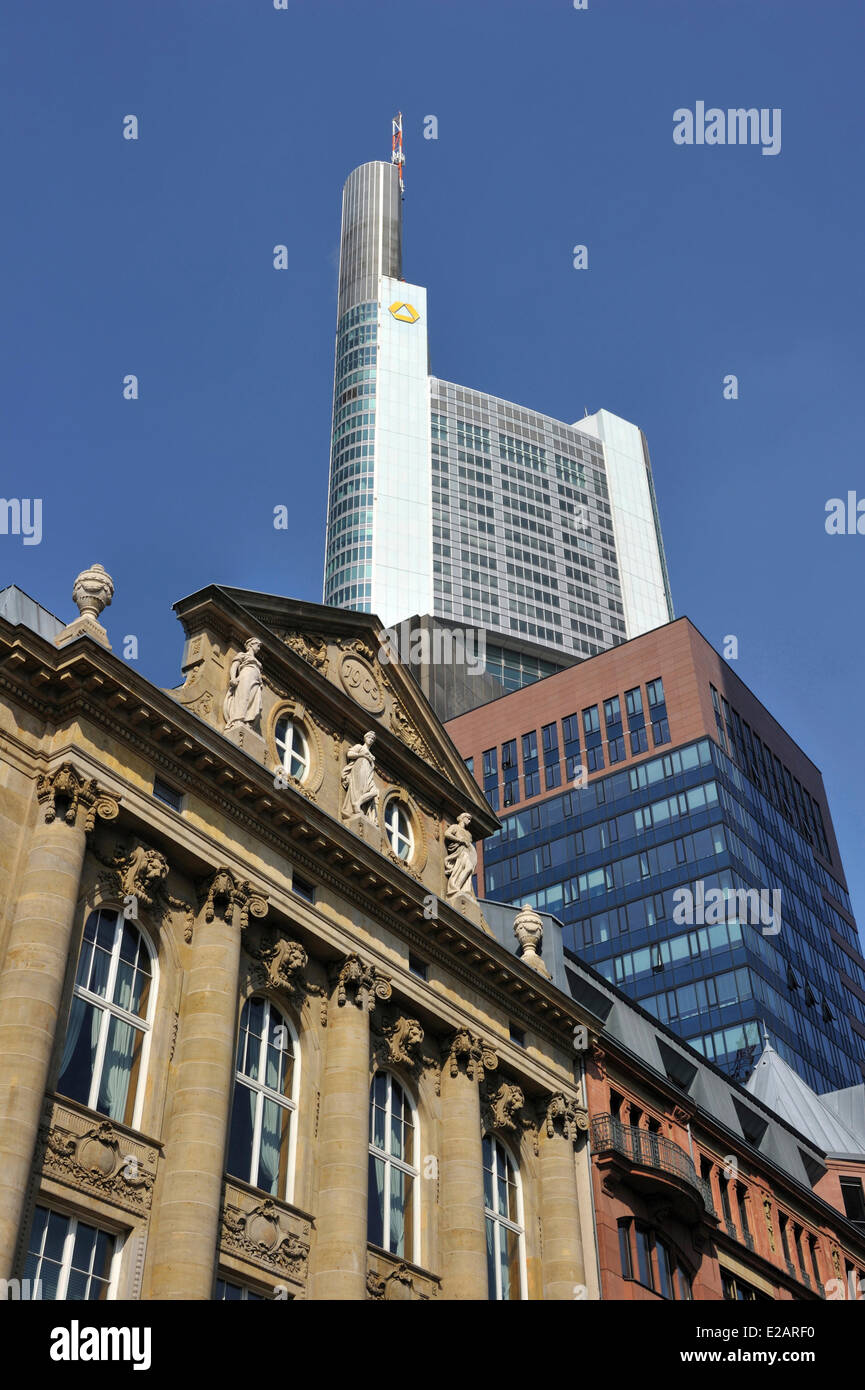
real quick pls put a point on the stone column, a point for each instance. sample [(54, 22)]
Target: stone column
[(189, 1195), (463, 1224), (561, 1122), (34, 968), (338, 1264)]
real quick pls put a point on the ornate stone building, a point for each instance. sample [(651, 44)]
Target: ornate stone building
[(257, 1036)]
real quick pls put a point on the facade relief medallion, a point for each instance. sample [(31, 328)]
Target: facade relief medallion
[(358, 680), (98, 1159), (268, 1236)]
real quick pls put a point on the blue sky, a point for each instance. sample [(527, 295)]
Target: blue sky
[(555, 128)]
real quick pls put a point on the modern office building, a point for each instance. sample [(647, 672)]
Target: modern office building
[(449, 502), (650, 801)]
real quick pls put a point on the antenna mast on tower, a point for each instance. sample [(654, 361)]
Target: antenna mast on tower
[(397, 157)]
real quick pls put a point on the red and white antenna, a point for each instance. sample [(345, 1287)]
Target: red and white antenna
[(397, 157)]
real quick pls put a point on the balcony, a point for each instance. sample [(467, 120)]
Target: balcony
[(652, 1164)]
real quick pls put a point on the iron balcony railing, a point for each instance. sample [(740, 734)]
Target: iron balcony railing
[(649, 1151)]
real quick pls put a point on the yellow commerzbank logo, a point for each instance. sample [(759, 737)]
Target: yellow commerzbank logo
[(406, 313)]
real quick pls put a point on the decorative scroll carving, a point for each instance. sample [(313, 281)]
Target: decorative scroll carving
[(261, 1235), (358, 982), (501, 1108), (65, 784), (233, 898), (401, 1042), (387, 1280), (472, 1053), (139, 871), (97, 1159), (310, 646), (280, 966), (561, 1114), (286, 962), (408, 734)]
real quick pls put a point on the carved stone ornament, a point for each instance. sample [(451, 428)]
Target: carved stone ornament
[(65, 784), (358, 983), (92, 592), (310, 646), (99, 1160), (242, 703), (232, 898), (399, 1284), (501, 1107), (280, 966), (529, 931), (259, 1235), (471, 1053), (358, 679), (461, 859), (140, 872), (400, 1043), (408, 734), (563, 1115), (358, 780)]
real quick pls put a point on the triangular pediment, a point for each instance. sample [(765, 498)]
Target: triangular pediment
[(349, 651)]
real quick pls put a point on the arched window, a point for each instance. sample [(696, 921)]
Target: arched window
[(104, 1053), (292, 747), (503, 1209), (265, 1098), (398, 829), (392, 1168)]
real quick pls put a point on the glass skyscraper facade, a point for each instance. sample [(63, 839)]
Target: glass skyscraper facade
[(607, 860), (451, 502), (651, 804)]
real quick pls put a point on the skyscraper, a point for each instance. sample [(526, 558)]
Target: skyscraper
[(454, 503)]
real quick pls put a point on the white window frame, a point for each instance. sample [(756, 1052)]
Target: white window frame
[(144, 1024), (392, 812), (287, 748), (264, 1092), (518, 1228), (68, 1250), (245, 1290), (390, 1162)]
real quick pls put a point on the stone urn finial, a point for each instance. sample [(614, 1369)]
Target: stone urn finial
[(92, 592), (529, 931)]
